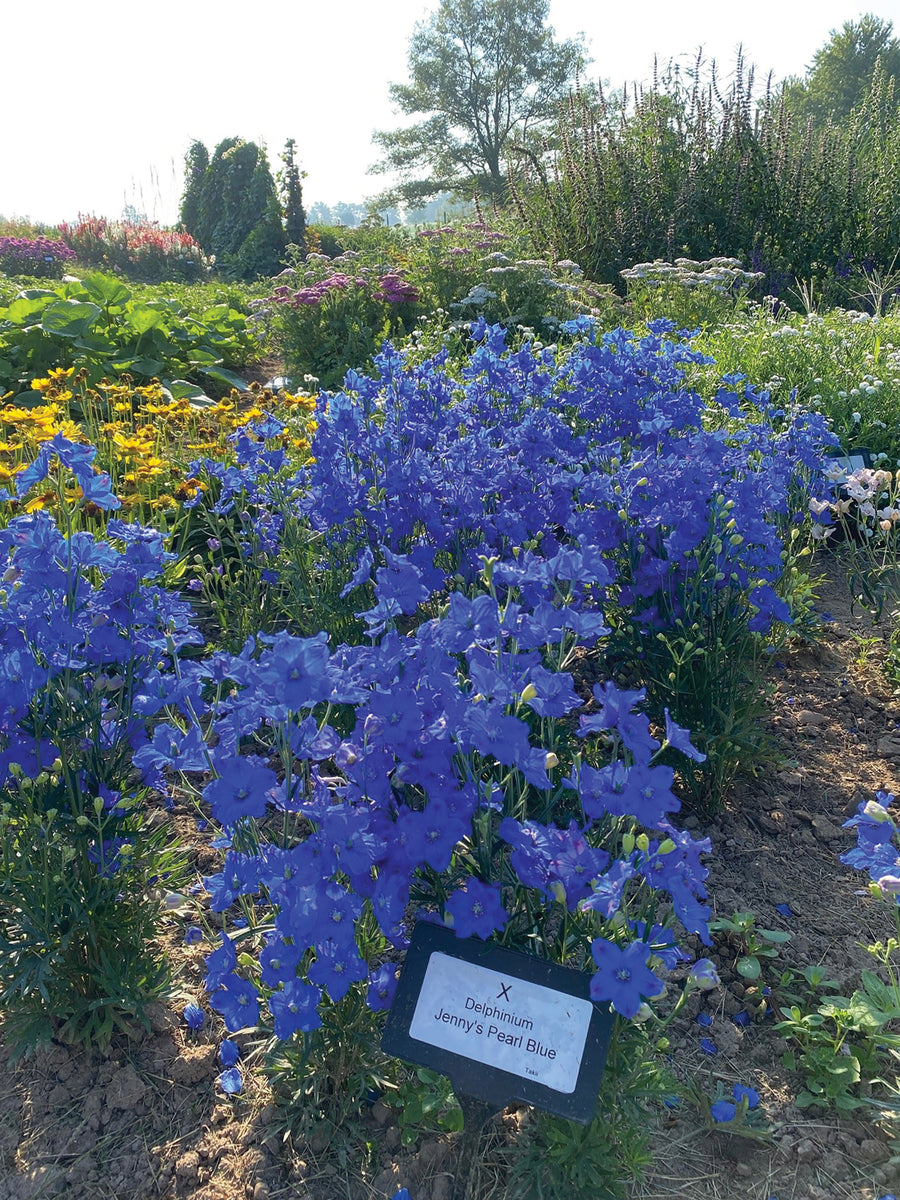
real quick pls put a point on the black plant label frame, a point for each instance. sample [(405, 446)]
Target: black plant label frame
[(581, 1058)]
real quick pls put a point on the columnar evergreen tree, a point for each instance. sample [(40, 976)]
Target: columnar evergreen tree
[(196, 164), (292, 198), (232, 208)]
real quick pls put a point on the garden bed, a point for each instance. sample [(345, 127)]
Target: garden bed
[(147, 1119)]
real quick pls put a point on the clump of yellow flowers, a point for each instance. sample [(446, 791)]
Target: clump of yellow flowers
[(145, 436)]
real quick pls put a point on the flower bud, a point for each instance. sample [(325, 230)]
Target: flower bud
[(703, 976)]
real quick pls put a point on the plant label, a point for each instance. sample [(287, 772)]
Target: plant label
[(504, 1026)]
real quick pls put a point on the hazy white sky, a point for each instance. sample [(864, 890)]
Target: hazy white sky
[(103, 98)]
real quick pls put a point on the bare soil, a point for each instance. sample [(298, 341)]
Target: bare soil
[(147, 1120)]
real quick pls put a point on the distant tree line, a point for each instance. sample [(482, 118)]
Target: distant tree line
[(799, 179)]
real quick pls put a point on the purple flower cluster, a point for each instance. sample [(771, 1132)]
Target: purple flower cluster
[(394, 289), (391, 288), (28, 256)]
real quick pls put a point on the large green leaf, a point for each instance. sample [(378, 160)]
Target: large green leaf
[(96, 343), (203, 358), (69, 318), (881, 995), (107, 290), (138, 366), (182, 389), (225, 376), (24, 310), (142, 318)]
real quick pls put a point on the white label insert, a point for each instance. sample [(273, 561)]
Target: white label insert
[(502, 1021)]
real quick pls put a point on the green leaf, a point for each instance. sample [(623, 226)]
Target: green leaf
[(69, 318), (199, 357), (865, 1014), (183, 389), (138, 366), (29, 399), (107, 290), (24, 309), (749, 967), (216, 313), (96, 343), (883, 996), (844, 1068), (225, 376), (143, 317), (778, 936)]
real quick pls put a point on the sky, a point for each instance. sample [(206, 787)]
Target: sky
[(102, 99)]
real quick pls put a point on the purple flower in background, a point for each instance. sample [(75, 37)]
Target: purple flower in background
[(708, 1047)]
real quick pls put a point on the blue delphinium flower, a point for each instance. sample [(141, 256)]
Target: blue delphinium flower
[(237, 1001), (295, 1008), (382, 986), (194, 1016), (741, 1093), (229, 1053), (231, 1081), (623, 977), (475, 909), (723, 1110)]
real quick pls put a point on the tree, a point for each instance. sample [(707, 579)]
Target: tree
[(292, 198), (196, 164), (841, 73), (484, 74), (231, 207)]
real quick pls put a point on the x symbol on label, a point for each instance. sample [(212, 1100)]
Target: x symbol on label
[(504, 991)]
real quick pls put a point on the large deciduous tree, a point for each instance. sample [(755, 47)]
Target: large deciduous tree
[(842, 70), (484, 75)]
